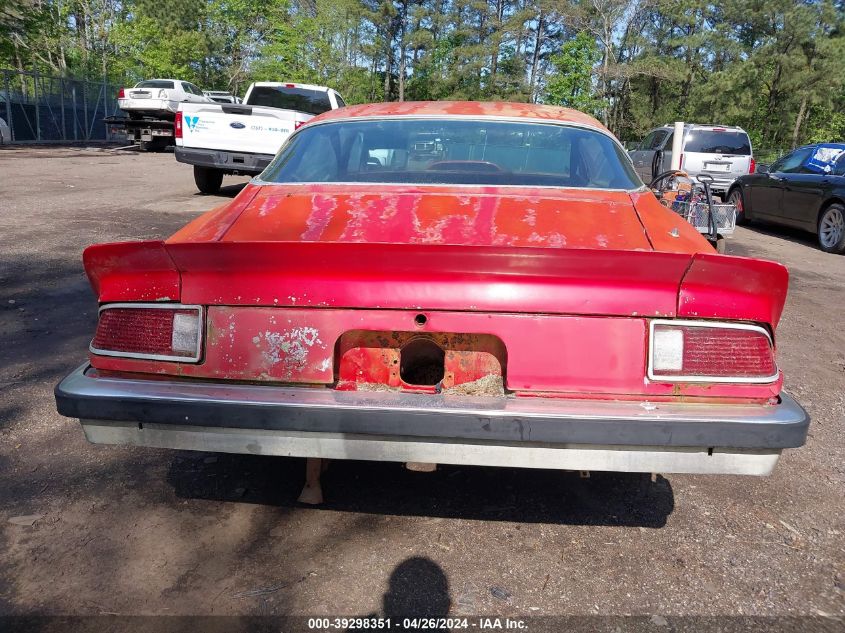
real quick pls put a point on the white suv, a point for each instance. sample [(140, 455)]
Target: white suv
[(720, 151)]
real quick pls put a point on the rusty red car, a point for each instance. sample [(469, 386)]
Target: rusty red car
[(452, 282)]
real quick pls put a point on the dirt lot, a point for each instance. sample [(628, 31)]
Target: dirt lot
[(142, 531)]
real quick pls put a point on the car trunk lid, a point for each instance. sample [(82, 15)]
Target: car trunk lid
[(430, 277), (475, 216)]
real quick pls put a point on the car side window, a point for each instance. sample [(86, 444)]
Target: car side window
[(668, 144), (658, 139), (839, 170), (647, 141), (793, 163)]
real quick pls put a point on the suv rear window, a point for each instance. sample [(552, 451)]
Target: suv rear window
[(167, 85), (301, 99), (718, 142)]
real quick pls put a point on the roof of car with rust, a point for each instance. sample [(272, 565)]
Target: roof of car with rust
[(502, 109)]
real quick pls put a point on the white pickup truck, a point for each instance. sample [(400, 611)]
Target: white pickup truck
[(220, 139)]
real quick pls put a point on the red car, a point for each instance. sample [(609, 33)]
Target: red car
[(463, 283)]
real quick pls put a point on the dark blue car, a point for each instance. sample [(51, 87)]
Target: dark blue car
[(804, 189)]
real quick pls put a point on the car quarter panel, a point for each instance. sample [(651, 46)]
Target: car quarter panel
[(132, 271), (721, 287)]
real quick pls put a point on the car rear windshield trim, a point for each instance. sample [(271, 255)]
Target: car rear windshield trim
[(166, 85)]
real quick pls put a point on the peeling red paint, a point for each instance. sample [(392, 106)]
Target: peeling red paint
[(438, 215), (462, 108), (539, 353), (319, 284)]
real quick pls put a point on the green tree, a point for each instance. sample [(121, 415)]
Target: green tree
[(571, 80)]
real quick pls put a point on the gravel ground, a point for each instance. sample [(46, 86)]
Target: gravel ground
[(143, 531)]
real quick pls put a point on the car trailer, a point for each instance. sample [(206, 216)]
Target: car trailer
[(152, 135)]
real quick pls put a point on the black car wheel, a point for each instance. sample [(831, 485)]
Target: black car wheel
[(832, 229), (208, 180), (735, 198)]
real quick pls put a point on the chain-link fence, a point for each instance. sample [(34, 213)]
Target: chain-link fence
[(42, 108)]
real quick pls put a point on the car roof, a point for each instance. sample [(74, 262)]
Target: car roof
[(704, 126), (502, 109), (292, 84)]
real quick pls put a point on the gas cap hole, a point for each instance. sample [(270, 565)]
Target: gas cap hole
[(421, 362), (420, 320)]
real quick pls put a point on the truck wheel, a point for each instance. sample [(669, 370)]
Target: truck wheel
[(208, 180)]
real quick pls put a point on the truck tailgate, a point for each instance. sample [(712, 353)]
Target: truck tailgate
[(237, 128)]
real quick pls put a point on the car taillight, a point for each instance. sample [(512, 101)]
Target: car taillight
[(298, 124), (121, 94), (703, 351), (177, 129), (752, 167), (151, 331), (681, 162)]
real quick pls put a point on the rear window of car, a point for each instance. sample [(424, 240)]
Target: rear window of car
[(167, 85), (301, 99), (718, 142), (440, 151)]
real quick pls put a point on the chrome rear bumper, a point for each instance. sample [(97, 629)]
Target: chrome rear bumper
[(508, 431)]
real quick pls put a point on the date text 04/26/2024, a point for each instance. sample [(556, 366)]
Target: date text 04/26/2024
[(421, 624)]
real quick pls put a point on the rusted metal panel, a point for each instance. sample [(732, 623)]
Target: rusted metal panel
[(373, 357), (471, 216), (541, 354)]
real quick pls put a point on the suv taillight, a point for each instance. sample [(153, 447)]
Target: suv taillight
[(752, 167), (703, 351), (121, 94), (150, 331), (177, 125)]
